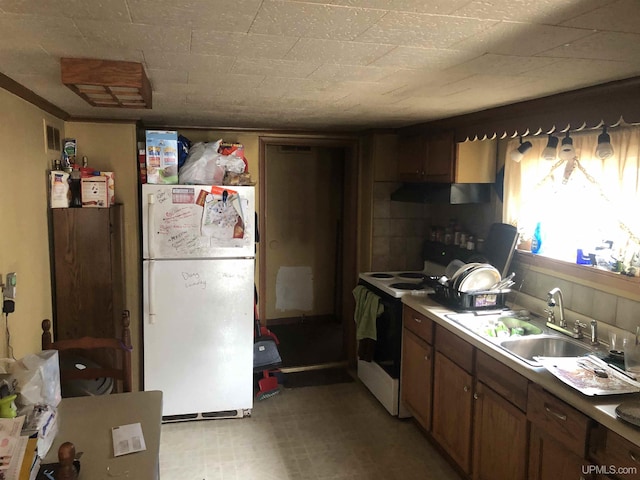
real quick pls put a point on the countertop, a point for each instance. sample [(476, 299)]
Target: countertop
[(600, 408)]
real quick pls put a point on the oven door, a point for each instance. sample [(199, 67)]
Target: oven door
[(382, 375)]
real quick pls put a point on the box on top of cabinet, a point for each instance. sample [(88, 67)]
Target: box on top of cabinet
[(162, 156), (98, 190)]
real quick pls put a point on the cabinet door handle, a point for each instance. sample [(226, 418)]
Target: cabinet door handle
[(466, 388), (419, 320), (559, 416), (476, 396), (633, 457), (427, 358)]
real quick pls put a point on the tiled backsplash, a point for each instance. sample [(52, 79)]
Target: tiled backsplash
[(400, 228), (398, 231), (608, 309)]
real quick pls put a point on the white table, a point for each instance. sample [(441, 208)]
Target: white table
[(87, 423)]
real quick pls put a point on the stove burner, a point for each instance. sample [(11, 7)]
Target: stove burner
[(381, 275), (419, 275), (407, 286)]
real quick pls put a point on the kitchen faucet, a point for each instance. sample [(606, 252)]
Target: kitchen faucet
[(551, 302), (561, 326)]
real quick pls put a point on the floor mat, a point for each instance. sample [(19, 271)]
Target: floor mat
[(310, 378)]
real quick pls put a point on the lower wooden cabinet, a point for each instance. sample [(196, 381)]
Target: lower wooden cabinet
[(612, 454), (549, 459), (501, 438), (559, 438), (452, 410), (416, 377)]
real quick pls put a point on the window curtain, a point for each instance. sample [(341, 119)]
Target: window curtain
[(596, 200)]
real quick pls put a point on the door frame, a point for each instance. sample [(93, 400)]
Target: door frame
[(349, 274)]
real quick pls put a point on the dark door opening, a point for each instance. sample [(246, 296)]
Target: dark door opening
[(302, 241)]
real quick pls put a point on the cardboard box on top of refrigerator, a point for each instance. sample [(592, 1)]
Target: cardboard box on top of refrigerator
[(98, 191), (162, 156)]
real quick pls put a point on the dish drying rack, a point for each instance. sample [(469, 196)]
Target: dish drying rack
[(478, 300)]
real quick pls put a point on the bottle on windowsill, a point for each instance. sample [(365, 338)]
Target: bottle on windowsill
[(536, 241)]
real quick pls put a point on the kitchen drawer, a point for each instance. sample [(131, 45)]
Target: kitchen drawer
[(558, 419), (455, 348), (503, 380), (610, 449), (418, 324)]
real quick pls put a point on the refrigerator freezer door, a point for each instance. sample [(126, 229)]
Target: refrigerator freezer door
[(197, 221), (198, 334)]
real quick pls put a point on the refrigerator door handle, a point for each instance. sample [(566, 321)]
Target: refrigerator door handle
[(151, 201), (150, 292)]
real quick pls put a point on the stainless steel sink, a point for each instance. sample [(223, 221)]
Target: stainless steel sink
[(496, 326), (526, 348)]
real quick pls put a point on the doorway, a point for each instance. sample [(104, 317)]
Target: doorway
[(305, 241)]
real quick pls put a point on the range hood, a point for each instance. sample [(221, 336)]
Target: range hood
[(449, 193)]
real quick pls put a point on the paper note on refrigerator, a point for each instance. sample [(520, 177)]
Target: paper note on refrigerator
[(222, 216)]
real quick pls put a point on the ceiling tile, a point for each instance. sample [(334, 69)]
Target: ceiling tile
[(241, 44), (120, 35), (28, 61), (340, 73), (300, 88), (596, 71), (221, 15), (215, 80), (193, 62), (427, 31), (277, 17), (337, 52), (601, 45), (503, 64), (158, 76), (549, 12), (274, 67), (423, 58), (442, 7), (33, 31), (80, 48), (104, 10), (511, 38), (620, 16)]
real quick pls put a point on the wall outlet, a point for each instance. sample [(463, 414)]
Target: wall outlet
[(9, 290)]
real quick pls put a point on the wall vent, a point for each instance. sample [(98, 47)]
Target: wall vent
[(52, 138)]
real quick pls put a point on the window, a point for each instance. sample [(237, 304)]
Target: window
[(583, 203)]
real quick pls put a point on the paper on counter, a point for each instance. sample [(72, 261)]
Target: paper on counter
[(127, 439)]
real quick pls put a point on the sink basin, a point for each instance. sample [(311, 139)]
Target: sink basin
[(497, 326), (544, 345)]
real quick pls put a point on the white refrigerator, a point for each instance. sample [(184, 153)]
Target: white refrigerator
[(198, 298)]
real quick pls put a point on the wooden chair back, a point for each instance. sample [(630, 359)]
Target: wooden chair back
[(118, 349)]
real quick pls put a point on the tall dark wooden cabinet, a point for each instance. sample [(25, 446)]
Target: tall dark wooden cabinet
[(88, 264)]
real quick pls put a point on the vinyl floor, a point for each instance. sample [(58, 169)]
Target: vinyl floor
[(329, 432)]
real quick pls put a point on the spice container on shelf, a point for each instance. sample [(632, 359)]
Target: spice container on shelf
[(471, 242)]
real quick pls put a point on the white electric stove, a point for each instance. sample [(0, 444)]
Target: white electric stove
[(382, 375)]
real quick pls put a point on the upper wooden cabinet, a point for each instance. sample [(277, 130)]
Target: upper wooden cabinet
[(436, 157)]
